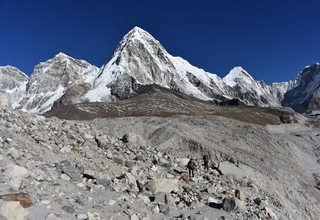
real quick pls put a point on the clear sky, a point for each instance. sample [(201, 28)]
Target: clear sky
[(273, 40)]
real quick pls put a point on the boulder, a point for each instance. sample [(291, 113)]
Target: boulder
[(229, 168), (16, 174), (5, 101), (133, 139), (271, 213), (228, 204), (240, 206), (164, 208), (163, 185), (240, 195), (13, 211), (182, 162)]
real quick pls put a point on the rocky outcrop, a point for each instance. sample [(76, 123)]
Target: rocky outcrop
[(57, 77), (303, 90), (5, 101), (13, 82)]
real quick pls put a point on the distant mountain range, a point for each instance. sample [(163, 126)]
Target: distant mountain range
[(140, 60)]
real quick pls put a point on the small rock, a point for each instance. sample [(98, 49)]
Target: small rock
[(271, 213), (82, 217), (65, 177), (156, 209), (240, 205), (257, 201), (118, 160), (228, 204), (145, 199), (111, 202), (211, 190), (240, 195), (68, 209), (52, 217), (164, 208), (134, 217), (213, 200), (170, 176)]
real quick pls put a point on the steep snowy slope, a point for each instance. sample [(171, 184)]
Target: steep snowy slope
[(13, 82), (253, 92), (141, 59), (303, 91), (50, 80)]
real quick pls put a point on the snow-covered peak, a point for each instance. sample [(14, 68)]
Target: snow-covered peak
[(62, 55), (236, 74), (13, 81), (138, 34), (12, 71)]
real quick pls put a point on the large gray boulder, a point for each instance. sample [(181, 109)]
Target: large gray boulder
[(133, 139), (5, 101)]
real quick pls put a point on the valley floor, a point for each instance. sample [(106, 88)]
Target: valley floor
[(87, 170)]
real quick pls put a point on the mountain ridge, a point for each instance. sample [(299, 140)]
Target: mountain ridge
[(139, 59)]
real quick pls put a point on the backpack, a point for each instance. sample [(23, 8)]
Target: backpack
[(192, 164)]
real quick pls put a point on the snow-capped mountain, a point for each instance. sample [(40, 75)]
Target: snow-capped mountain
[(304, 89), (139, 60), (50, 80), (13, 81), (253, 92)]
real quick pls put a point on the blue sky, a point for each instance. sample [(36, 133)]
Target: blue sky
[(273, 40)]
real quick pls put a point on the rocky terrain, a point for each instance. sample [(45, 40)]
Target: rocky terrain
[(135, 168)]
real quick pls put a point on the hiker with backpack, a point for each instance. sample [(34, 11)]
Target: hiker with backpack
[(192, 166), (206, 162)]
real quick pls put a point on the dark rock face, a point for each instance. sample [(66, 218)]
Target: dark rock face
[(303, 91)]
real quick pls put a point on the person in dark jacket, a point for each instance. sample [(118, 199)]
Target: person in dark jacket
[(192, 166)]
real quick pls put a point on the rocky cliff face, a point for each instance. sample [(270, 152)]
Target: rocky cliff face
[(252, 92), (303, 90), (13, 82), (52, 79)]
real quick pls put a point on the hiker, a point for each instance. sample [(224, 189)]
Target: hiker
[(206, 162), (191, 166)]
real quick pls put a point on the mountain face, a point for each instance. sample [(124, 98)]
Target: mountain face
[(303, 93), (139, 60), (253, 92), (13, 82), (53, 79)]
